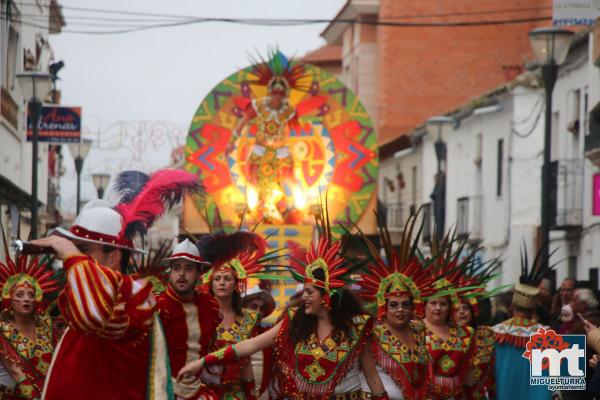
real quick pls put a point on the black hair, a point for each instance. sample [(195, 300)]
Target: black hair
[(485, 313), (236, 302), (344, 306), (527, 311), (125, 257)]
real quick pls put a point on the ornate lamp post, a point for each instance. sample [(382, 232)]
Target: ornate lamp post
[(101, 183), (550, 47), (35, 87), (79, 151), (435, 126)]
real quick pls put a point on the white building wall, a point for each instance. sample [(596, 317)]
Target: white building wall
[(512, 218), (589, 252), (404, 171), (579, 249), (15, 151), (508, 218)]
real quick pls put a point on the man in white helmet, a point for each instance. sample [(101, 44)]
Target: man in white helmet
[(114, 347), (189, 317)]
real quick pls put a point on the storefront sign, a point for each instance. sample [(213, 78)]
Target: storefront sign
[(57, 124)]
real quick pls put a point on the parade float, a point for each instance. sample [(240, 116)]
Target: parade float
[(270, 141)]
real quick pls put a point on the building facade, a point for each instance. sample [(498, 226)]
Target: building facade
[(24, 46), (493, 166)]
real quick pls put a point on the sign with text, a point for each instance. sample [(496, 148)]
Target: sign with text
[(575, 12), (57, 124)]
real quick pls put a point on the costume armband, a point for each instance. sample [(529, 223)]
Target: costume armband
[(221, 356)]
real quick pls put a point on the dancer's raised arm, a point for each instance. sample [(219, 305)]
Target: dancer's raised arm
[(232, 353)]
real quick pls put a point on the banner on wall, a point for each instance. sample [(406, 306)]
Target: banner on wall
[(575, 12)]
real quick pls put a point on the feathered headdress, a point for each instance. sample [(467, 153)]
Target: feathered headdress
[(328, 256), (278, 73), (473, 282), (35, 274), (526, 291), (454, 268), (402, 272), (243, 253)]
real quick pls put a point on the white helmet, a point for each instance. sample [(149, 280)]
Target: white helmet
[(186, 250)]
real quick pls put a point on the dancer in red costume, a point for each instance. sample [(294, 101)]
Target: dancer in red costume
[(114, 347), (27, 339), (235, 258), (320, 347), (189, 318), (480, 381), (399, 285), (450, 345)]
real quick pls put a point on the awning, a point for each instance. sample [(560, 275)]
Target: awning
[(12, 194)]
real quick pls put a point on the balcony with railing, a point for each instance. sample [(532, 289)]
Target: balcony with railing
[(566, 194)]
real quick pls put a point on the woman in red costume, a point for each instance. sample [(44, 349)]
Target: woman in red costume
[(398, 284), (234, 257), (319, 348), (26, 338), (479, 381), (449, 344)]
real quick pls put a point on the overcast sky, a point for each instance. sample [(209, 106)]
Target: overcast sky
[(162, 74)]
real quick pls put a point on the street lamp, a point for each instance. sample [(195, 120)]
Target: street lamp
[(101, 182), (79, 151), (550, 47), (435, 125), (35, 87)]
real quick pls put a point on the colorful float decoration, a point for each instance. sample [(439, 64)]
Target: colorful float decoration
[(268, 141)]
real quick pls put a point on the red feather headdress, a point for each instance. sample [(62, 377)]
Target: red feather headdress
[(326, 256), (34, 274), (455, 270), (401, 273), (279, 73)]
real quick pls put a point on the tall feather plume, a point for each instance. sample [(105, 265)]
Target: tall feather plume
[(162, 191), (129, 184), (540, 268)]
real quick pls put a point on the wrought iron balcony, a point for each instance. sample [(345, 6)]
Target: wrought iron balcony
[(566, 194)]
